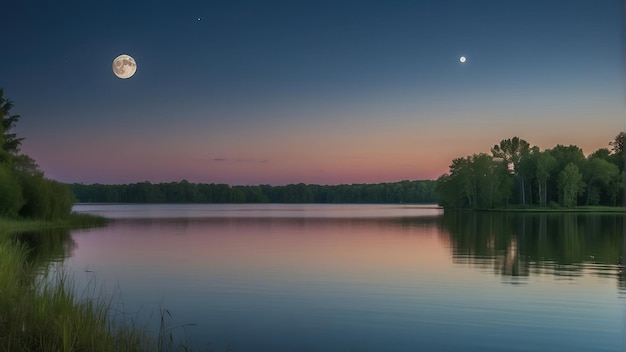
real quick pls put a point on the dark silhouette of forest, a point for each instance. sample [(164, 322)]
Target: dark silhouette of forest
[(513, 175), (414, 192)]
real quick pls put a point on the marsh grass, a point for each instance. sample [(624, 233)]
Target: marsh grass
[(41, 309), (46, 314)]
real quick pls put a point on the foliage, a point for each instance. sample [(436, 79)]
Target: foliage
[(11, 199), (187, 192), (23, 189), (544, 167), (519, 175), (599, 174), (480, 181), (617, 144), (46, 199), (617, 150), (47, 315), (511, 152), (10, 142), (570, 183)]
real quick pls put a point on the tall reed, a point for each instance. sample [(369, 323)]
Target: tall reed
[(45, 314), (42, 310)]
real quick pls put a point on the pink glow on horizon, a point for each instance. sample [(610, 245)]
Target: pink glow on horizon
[(310, 152)]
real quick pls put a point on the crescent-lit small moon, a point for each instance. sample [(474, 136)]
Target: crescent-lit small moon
[(124, 66), (462, 59)]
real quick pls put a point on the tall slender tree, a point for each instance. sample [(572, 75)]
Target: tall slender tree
[(511, 151), (617, 144), (570, 183), (546, 163), (598, 175), (10, 142)]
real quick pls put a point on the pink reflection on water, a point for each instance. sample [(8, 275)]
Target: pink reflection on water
[(350, 249)]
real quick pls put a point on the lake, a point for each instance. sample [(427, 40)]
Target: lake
[(276, 277)]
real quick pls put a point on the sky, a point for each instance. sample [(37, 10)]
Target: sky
[(324, 92)]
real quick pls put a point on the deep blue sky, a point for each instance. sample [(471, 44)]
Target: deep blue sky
[(249, 92)]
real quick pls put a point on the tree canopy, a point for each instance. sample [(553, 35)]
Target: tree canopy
[(187, 192), (24, 191), (516, 174)]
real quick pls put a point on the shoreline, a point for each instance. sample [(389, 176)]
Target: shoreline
[(581, 209), (73, 221)]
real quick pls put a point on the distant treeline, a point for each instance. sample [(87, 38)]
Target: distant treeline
[(516, 174), (187, 192)]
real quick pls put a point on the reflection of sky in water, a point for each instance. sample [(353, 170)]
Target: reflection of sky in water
[(335, 283), (255, 210)]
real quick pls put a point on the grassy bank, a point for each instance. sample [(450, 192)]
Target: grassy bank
[(73, 221), (42, 311), (581, 209), (45, 315)]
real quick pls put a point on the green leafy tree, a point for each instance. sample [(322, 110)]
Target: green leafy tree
[(461, 182), (570, 182), (495, 183), (561, 174), (477, 181), (511, 152), (11, 199), (617, 144), (24, 164), (617, 151), (564, 155), (23, 189), (567, 154), (602, 153), (616, 187), (10, 142), (598, 175), (481, 166), (45, 199), (527, 171), (546, 163)]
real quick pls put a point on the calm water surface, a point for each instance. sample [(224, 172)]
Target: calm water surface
[(361, 277)]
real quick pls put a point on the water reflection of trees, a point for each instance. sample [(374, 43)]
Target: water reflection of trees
[(46, 247), (517, 245)]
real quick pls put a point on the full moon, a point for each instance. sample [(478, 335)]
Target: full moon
[(462, 59), (124, 66)]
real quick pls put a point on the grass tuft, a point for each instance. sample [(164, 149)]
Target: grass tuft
[(46, 315), (40, 309)]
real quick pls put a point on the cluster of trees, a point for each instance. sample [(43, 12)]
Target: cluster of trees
[(186, 192), (517, 174), (24, 191)]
